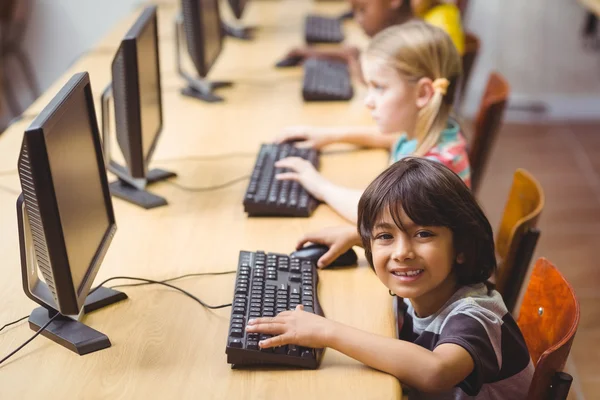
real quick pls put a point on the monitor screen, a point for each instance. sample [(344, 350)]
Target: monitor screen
[(211, 25), (149, 86), (137, 94), (77, 185), (203, 32)]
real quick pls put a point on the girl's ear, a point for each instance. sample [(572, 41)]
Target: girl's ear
[(424, 92)]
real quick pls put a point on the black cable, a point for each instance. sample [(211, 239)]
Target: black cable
[(207, 157), (165, 284), (14, 322), (208, 188), (30, 339), (174, 279)]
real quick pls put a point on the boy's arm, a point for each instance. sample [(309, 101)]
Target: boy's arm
[(425, 370), (428, 371)]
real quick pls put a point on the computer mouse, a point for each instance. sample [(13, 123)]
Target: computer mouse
[(291, 61), (314, 251)]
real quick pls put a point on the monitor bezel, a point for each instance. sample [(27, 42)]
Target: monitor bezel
[(136, 161), (69, 298), (198, 38)]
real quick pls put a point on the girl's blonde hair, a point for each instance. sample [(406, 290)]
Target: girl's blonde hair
[(417, 50)]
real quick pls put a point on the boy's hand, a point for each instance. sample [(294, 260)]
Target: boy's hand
[(303, 172), (292, 327), (307, 136), (339, 239)]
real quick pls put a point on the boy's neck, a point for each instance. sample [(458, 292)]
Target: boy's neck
[(432, 301)]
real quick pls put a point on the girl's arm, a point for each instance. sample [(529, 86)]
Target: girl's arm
[(427, 371), (317, 137), (343, 200)]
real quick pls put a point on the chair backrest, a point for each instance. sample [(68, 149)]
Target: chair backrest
[(487, 125), (472, 45), (517, 235), (548, 320)]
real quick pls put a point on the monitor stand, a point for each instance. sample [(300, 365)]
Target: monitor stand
[(72, 334), (205, 93), (140, 197), (238, 32)]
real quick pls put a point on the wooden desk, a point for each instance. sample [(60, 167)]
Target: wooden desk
[(592, 5), (164, 345)]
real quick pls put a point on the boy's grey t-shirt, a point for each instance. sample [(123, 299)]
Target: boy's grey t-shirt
[(476, 319)]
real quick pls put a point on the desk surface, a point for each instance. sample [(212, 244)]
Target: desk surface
[(163, 344), (592, 5)]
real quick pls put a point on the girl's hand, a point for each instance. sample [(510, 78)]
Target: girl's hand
[(339, 239), (292, 327), (303, 172), (307, 136)]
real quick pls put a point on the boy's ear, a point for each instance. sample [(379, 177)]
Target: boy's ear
[(460, 258), (424, 92)]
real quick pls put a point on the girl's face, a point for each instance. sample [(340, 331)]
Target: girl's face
[(415, 263), (392, 100)]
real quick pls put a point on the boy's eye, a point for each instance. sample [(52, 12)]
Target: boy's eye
[(424, 234), (384, 236)]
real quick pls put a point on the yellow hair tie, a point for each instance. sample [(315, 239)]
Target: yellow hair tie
[(441, 85)]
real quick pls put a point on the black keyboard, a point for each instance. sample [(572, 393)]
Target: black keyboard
[(267, 284), (267, 196), (319, 29), (326, 80)]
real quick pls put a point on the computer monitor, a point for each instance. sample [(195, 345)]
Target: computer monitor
[(237, 7), (136, 91), (65, 217), (200, 21)]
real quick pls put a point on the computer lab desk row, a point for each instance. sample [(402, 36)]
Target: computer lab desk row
[(163, 344)]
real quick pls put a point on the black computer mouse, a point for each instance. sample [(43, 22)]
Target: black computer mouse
[(291, 61), (314, 251)]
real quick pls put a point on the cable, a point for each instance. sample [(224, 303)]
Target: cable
[(30, 339), (165, 284), (208, 188), (174, 279), (8, 172), (9, 190), (140, 284), (207, 157), (14, 322)]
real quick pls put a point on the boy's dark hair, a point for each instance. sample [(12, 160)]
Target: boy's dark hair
[(431, 195)]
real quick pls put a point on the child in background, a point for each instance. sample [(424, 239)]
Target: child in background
[(430, 243), (443, 15), (411, 71)]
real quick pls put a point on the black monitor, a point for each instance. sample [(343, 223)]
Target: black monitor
[(136, 91), (203, 30), (237, 7), (65, 215)]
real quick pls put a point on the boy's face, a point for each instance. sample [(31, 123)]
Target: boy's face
[(412, 263), (391, 99), (373, 16)]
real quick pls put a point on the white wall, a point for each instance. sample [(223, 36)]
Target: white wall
[(58, 32)]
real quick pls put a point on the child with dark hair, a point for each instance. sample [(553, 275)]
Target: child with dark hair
[(429, 243)]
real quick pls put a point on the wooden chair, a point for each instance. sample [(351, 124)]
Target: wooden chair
[(472, 45), (548, 320), (518, 234), (487, 124)]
